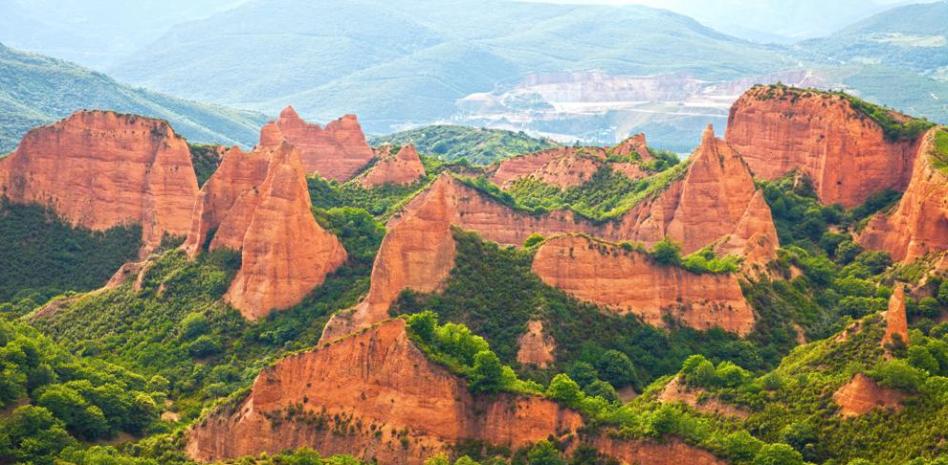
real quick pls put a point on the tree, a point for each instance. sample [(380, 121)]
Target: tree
[(532, 240), (778, 454), (602, 389), (699, 371), (920, 357), (616, 368), (564, 389), (487, 374), (583, 373), (731, 375), (34, 435), (544, 453), (423, 325), (898, 374), (193, 325), (740, 446), (667, 252)]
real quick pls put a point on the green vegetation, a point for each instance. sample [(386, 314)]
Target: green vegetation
[(492, 291), (606, 196), (53, 398), (940, 153), (205, 159), (480, 146), (42, 256)]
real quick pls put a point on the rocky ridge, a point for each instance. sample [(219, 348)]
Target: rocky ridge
[(401, 168), (338, 151)]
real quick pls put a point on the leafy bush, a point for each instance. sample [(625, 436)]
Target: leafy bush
[(666, 252)]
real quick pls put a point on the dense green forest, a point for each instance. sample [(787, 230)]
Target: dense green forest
[(480, 146)]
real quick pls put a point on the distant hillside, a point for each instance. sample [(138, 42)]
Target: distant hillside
[(36, 90), (914, 37), (412, 61), (478, 145)]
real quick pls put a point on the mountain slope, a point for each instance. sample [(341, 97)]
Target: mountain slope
[(477, 145), (368, 56), (36, 90)]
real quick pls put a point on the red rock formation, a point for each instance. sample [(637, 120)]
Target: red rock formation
[(238, 174), (677, 391), (896, 322), (337, 151), (399, 169), (780, 129), (535, 348), (715, 203), (100, 169), (389, 401), (919, 225), (861, 394), (629, 281), (284, 253), (634, 144)]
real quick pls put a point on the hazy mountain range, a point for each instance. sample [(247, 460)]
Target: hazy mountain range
[(595, 72)]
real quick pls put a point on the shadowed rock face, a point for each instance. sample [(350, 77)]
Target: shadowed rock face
[(374, 381), (99, 169), (337, 151), (628, 281), (258, 203), (919, 225), (401, 168), (778, 130), (376, 396), (861, 395)]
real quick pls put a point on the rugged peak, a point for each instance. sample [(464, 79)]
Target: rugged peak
[(707, 136), (849, 156), (861, 395), (896, 322), (636, 144), (337, 152), (259, 203), (402, 168), (99, 169)]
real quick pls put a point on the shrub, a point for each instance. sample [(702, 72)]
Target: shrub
[(778, 454), (666, 252), (204, 346), (565, 390), (699, 372), (487, 374), (600, 388), (616, 368), (898, 374), (193, 325), (533, 240), (544, 453)]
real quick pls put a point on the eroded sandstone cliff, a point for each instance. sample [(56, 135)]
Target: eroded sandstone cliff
[(285, 254), (337, 151), (99, 169), (779, 129), (535, 347), (861, 395), (401, 168), (896, 321), (376, 396), (629, 281), (919, 225)]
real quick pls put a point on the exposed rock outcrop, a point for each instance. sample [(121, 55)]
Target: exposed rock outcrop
[(677, 391), (536, 348), (337, 151), (629, 281), (566, 167), (99, 169), (779, 129), (861, 394), (714, 203), (896, 322), (285, 254), (919, 225), (258, 203), (400, 169), (376, 396)]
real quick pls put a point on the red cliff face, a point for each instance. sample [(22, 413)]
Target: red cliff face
[(337, 151), (285, 254), (715, 203), (535, 347), (779, 129), (402, 168), (919, 225), (376, 396), (100, 169), (258, 203), (628, 281)]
